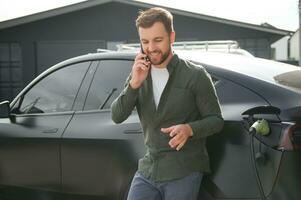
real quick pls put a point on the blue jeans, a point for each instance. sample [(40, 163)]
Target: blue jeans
[(186, 188)]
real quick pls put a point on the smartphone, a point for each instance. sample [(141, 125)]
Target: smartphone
[(146, 58)]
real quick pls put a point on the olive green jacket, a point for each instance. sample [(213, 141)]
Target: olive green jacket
[(188, 97)]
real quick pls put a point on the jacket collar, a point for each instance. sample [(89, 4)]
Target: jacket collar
[(171, 66), (173, 63)]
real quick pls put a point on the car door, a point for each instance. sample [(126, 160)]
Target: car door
[(30, 138), (232, 174), (100, 157)]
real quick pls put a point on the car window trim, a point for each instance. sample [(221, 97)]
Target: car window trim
[(76, 96), (98, 66), (107, 110), (42, 114), (21, 97), (91, 81)]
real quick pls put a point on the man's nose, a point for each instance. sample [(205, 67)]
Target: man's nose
[(151, 47)]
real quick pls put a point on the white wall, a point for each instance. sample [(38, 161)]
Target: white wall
[(281, 48), (294, 46)]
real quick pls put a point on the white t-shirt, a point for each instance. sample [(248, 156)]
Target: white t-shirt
[(159, 78)]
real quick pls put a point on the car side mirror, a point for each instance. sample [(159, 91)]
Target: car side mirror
[(4, 109)]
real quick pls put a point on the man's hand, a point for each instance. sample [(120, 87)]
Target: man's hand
[(140, 70), (179, 133)]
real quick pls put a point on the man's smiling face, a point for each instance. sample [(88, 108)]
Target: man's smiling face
[(156, 43)]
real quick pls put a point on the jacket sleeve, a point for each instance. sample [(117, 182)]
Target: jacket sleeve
[(123, 105), (211, 120)]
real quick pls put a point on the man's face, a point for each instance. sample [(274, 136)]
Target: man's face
[(156, 43)]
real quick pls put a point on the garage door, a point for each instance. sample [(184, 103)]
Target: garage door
[(52, 52)]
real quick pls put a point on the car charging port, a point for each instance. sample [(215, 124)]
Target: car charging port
[(259, 127)]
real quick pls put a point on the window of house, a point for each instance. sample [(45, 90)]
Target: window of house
[(10, 70)]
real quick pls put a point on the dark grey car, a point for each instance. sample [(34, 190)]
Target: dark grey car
[(57, 139)]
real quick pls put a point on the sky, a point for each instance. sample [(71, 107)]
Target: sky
[(282, 14)]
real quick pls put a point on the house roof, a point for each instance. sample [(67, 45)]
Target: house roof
[(91, 3)]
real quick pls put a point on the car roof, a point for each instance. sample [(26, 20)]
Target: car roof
[(263, 69), (250, 66)]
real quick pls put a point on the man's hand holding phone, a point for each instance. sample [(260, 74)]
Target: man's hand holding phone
[(140, 70)]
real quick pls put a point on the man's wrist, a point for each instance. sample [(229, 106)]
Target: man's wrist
[(134, 85), (190, 130)]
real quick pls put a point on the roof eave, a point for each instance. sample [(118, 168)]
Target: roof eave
[(51, 13), (91, 3)]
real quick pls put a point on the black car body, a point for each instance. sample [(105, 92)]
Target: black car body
[(57, 138)]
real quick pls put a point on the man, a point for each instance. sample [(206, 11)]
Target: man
[(178, 108)]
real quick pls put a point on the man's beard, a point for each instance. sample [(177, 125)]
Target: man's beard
[(163, 57)]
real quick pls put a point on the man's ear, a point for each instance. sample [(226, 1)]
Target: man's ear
[(172, 37)]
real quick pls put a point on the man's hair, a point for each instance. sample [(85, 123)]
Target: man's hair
[(148, 17)]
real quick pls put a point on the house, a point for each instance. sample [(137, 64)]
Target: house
[(31, 44), (294, 46), (286, 49)]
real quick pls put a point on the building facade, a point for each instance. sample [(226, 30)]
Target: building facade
[(287, 48), (31, 44), (294, 46)]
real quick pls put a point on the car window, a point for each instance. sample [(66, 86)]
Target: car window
[(56, 92), (107, 84)]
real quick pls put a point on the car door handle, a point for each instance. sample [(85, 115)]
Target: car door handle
[(138, 131), (54, 130)]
